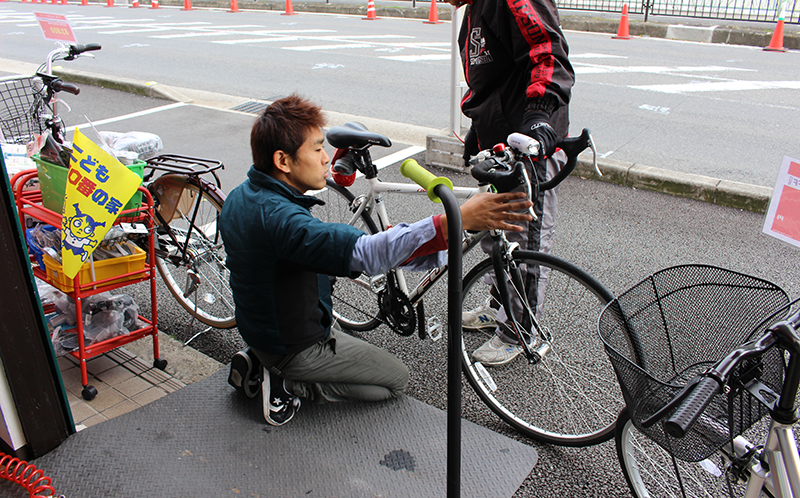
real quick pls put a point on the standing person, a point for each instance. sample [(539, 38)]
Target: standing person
[(280, 258), (520, 79)]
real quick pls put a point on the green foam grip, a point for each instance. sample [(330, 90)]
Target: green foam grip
[(424, 178)]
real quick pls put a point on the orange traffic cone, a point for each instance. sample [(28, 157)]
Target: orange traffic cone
[(433, 17), (187, 5), (370, 11), (135, 4), (84, 2), (776, 44), (622, 32), (154, 4), (109, 3), (234, 6), (289, 9)]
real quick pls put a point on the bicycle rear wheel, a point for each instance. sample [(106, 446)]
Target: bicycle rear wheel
[(355, 300), (571, 396), (199, 280), (651, 471)]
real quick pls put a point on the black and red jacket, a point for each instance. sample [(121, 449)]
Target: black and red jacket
[(515, 59)]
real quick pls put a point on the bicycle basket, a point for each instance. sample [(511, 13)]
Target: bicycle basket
[(675, 324), (20, 116)]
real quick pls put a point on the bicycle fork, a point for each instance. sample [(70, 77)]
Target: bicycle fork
[(535, 340)]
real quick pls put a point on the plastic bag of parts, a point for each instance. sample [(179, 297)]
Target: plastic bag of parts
[(105, 316), (144, 144)]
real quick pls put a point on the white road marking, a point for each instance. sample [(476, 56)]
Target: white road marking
[(595, 56), (397, 156), (414, 58), (596, 69), (720, 86), (132, 115)]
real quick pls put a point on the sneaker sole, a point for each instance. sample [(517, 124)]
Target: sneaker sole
[(497, 363)]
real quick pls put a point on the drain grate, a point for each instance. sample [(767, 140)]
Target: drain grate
[(251, 106)]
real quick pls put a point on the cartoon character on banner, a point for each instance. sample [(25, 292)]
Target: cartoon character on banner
[(78, 232)]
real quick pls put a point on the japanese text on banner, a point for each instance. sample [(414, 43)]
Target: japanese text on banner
[(98, 186)]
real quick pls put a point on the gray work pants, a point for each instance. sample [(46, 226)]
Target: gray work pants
[(342, 368)]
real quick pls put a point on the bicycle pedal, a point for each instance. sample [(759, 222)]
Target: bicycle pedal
[(434, 328)]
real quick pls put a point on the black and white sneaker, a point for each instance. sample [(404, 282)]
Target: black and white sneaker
[(279, 404), (245, 373)]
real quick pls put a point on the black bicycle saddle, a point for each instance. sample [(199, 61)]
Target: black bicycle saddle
[(356, 135)]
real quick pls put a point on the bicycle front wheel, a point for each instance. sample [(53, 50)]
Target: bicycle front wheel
[(651, 471), (192, 262), (355, 300), (571, 396)]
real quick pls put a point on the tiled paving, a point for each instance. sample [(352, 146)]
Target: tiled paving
[(124, 382)]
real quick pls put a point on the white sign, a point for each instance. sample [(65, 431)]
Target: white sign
[(783, 216)]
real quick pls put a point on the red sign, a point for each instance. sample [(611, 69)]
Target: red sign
[(55, 27)]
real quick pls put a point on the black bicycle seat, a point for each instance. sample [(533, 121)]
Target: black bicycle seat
[(352, 134)]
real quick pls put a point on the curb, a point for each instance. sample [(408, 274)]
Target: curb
[(446, 152)]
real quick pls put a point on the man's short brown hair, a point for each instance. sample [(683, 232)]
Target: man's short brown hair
[(283, 125)]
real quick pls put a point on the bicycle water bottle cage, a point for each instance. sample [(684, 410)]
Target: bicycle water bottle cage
[(492, 171), (355, 135)]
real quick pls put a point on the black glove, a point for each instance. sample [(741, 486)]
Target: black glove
[(536, 125)]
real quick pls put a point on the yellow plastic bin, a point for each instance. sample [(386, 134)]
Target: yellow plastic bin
[(53, 183), (103, 269)]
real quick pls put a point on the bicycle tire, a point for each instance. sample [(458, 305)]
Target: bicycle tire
[(571, 397), (355, 300), (211, 301), (651, 471)]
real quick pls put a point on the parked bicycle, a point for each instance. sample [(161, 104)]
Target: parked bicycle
[(190, 256), (557, 391), (703, 354)]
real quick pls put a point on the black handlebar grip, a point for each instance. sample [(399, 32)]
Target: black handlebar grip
[(504, 180), (572, 147), (692, 407), (61, 86), (79, 49)]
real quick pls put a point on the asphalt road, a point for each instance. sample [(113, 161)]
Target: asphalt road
[(723, 111), (618, 234)]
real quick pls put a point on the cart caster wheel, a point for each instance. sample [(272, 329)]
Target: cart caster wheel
[(88, 393), (160, 363)]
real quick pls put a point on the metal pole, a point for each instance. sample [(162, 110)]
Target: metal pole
[(455, 73), (453, 212)]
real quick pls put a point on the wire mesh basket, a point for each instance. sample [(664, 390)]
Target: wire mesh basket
[(679, 322), (20, 116)]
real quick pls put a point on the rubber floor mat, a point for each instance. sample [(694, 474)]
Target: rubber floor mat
[(207, 440)]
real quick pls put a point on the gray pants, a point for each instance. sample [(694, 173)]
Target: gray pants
[(537, 236), (343, 368)]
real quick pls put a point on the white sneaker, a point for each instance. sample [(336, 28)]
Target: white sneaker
[(495, 352), (482, 317)]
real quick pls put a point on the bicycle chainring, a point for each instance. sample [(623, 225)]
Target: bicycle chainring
[(398, 310)]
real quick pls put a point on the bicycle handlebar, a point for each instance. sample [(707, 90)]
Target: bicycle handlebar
[(696, 398), (60, 86), (424, 178)]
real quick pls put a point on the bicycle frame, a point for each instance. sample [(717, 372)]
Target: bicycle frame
[(374, 199)]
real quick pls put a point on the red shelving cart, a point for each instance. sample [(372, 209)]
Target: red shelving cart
[(29, 202)]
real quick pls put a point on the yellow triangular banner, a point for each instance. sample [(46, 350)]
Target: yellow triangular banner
[(98, 186)]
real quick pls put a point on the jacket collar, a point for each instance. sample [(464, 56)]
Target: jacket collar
[(265, 181)]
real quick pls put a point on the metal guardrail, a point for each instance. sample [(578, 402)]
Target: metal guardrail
[(733, 10)]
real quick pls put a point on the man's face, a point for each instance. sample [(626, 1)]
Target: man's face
[(309, 170)]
